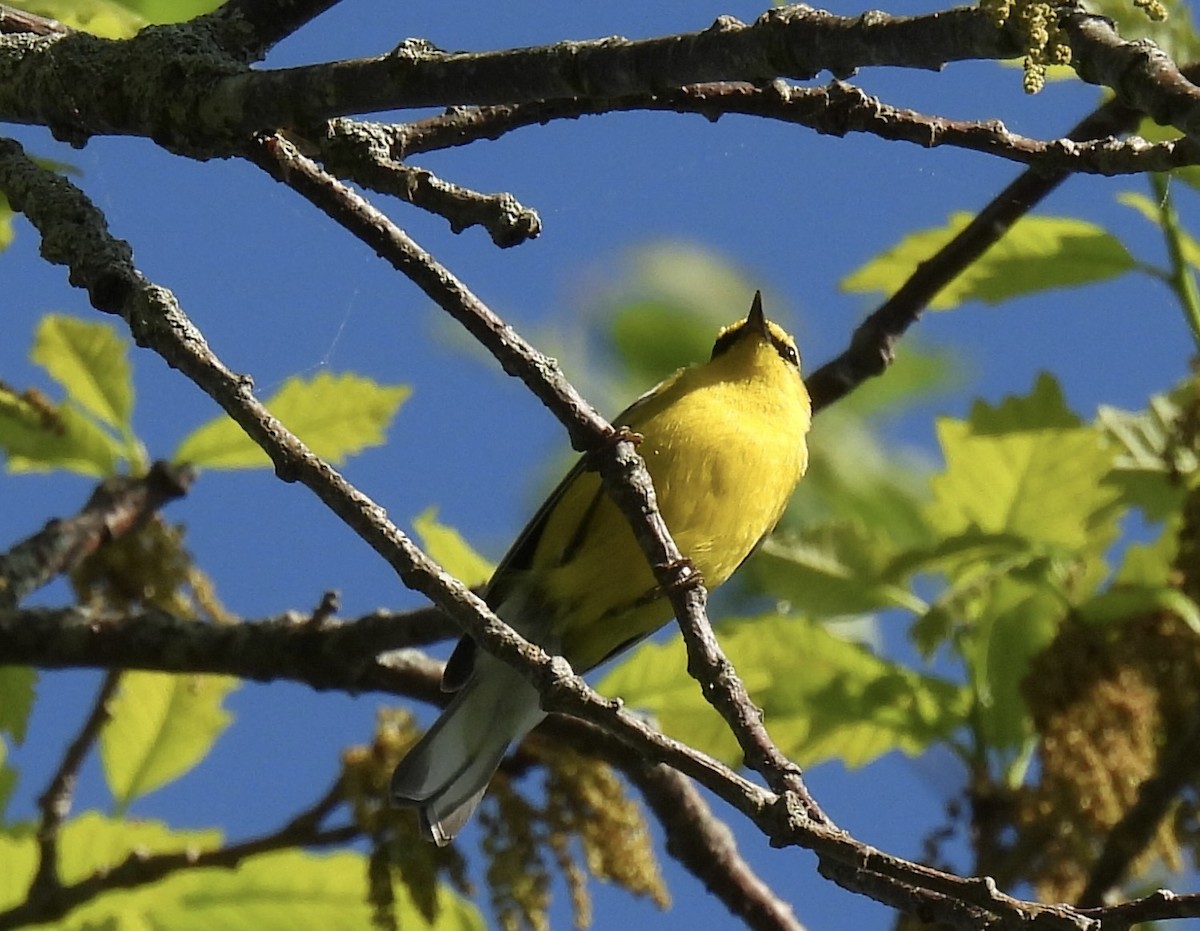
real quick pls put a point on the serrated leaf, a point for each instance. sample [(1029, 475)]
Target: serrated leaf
[(88, 843), (830, 570), (450, 550), (1026, 467), (90, 361), (824, 697), (282, 889), (18, 688), (335, 415), (1037, 254), (37, 436), (1149, 458), (162, 725)]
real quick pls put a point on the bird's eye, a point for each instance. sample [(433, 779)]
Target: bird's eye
[(789, 353)]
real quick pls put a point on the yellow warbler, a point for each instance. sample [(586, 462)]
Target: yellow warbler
[(724, 442)]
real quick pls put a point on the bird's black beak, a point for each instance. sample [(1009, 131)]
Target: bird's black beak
[(756, 320)]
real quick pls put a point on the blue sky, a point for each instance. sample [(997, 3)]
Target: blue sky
[(278, 291)]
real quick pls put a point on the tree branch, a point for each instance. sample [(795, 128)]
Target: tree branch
[(1140, 73), (836, 109), (248, 29), (872, 347), (118, 506), (362, 153), (705, 846), (219, 102)]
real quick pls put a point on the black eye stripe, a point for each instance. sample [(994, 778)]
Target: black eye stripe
[(786, 350)]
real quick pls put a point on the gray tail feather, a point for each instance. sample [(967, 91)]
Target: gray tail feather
[(448, 770)]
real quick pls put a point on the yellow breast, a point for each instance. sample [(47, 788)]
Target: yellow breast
[(725, 446)]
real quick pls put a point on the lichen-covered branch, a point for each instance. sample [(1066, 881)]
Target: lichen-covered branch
[(836, 109), (216, 102)]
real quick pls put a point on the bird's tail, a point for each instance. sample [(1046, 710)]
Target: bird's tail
[(446, 773)]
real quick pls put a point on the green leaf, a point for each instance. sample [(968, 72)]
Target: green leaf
[(107, 18), (284, 889), (1016, 622), (281, 889), (830, 570), (19, 854), (1125, 601), (17, 692), (1150, 564), (851, 475), (1026, 467), (8, 780), (667, 315), (162, 725), (335, 415), (90, 361), (37, 436), (89, 843), (1188, 246), (1037, 254), (841, 701), (450, 550), (654, 337), (1150, 457), (6, 218)]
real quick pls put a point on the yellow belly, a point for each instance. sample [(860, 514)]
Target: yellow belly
[(717, 498)]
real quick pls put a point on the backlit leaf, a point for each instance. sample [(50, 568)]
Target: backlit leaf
[(1037, 254), (1026, 467), (37, 436), (162, 725), (335, 415), (448, 548), (824, 697), (91, 362), (17, 692)]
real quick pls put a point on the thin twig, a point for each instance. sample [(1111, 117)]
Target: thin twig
[(872, 347), (55, 802), (363, 154), (705, 846)]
